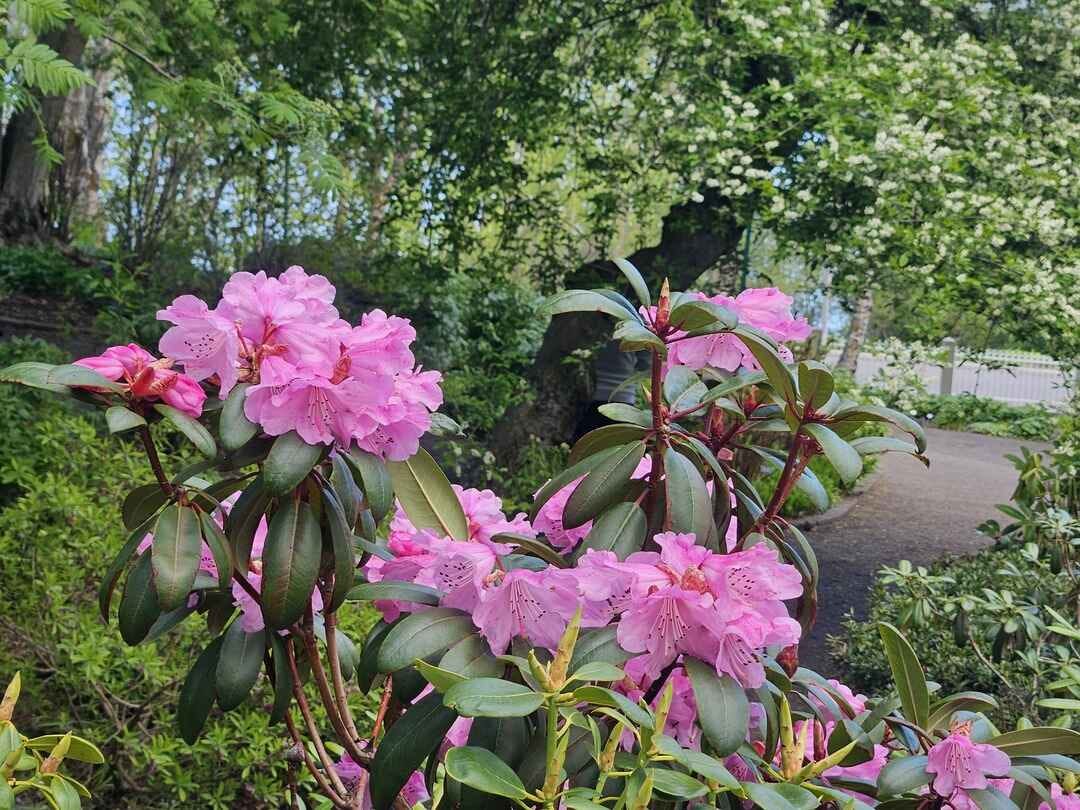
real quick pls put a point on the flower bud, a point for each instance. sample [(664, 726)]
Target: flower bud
[(56, 756), (11, 697), (561, 663), (540, 673), (788, 659)]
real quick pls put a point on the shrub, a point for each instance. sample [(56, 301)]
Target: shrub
[(984, 415)]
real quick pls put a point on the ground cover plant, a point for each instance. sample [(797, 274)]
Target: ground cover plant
[(630, 642)]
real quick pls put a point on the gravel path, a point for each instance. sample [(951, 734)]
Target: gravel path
[(906, 512)]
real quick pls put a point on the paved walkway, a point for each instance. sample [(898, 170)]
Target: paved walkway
[(907, 512)]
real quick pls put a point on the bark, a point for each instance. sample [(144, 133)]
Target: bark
[(695, 238), (860, 325), (37, 200)]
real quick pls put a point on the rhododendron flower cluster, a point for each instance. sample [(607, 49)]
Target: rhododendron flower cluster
[(864, 771), (309, 370), (960, 764), (146, 377), (766, 309)]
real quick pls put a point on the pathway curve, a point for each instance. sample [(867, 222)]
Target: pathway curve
[(907, 512)]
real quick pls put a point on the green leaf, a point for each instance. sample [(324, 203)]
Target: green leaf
[(33, 375), (531, 545), (1038, 741), (117, 566), (422, 635), (683, 389), (196, 433), (603, 438), (283, 679), (620, 529), (689, 504), (695, 761), (603, 486), (674, 783), (79, 749), (289, 462), (858, 412), (234, 428), (441, 679), (586, 301), (907, 675), (239, 664), (426, 496), (569, 475), (392, 590), (341, 541), (702, 316), (780, 376), (176, 553), (872, 445), (64, 793), (841, 455), (943, 710), (243, 521), (597, 671), (723, 709), (634, 337), (373, 478), (484, 771), (730, 385), (80, 377), (903, 775), (780, 796), (637, 282), (622, 413), (600, 644), (815, 383), (472, 658), (198, 693), (492, 697), (808, 483), (991, 799), (138, 604), (119, 419), (407, 744), (219, 547), (291, 561), (142, 503), (602, 696)]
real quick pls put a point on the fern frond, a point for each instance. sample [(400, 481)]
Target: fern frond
[(42, 15), (43, 69)]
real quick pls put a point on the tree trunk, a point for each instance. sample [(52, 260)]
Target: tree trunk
[(695, 237), (860, 325), (36, 199)]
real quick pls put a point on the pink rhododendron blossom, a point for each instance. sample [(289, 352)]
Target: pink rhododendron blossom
[(682, 714), (533, 605), (1062, 800), (689, 600), (765, 309), (311, 372), (147, 377), (958, 763)]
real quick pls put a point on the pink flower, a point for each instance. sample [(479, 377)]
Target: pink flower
[(682, 715), (458, 570), (381, 343), (146, 377), (960, 764), (749, 577), (534, 605), (206, 342), (405, 417), (606, 587), (1062, 800), (320, 410)]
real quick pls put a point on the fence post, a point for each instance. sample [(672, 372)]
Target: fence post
[(947, 366)]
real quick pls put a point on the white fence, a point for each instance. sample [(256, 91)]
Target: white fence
[(1017, 377)]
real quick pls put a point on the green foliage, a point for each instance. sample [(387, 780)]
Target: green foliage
[(62, 480), (985, 415)]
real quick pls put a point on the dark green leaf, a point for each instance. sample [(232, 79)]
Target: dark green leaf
[(598, 645), (683, 389), (586, 301), (33, 375), (407, 744), (441, 679), (841, 455), (176, 553), (243, 521), (871, 445), (907, 675), (723, 709), (389, 589), (283, 679), (422, 635), (492, 697), (634, 337), (603, 438), (1038, 741), (637, 282), (620, 529), (472, 658), (291, 561), (79, 376), (374, 479), (341, 541), (219, 547), (603, 486), (569, 475), (858, 412), (198, 693), (116, 567), (815, 383), (531, 545), (138, 604), (238, 665), (234, 428), (142, 503), (780, 376), (702, 316), (484, 771), (119, 419), (689, 504), (289, 462), (196, 433), (426, 496), (626, 414), (903, 775)]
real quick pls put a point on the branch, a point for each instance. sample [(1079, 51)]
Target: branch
[(143, 58)]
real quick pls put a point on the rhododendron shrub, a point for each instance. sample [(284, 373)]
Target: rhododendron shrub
[(632, 641)]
